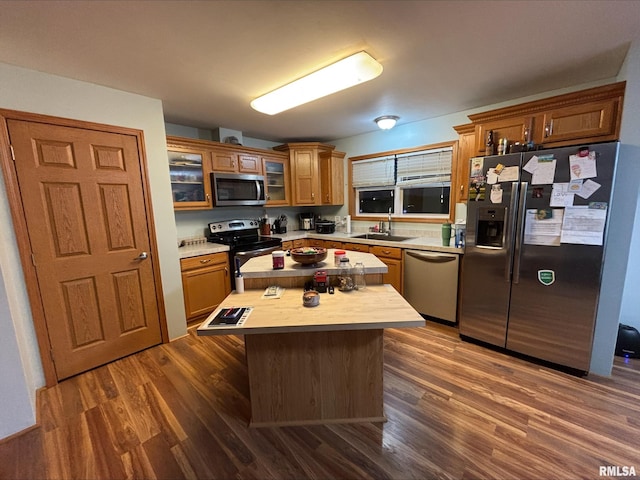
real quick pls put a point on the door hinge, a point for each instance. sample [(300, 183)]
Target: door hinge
[(33, 259), (51, 355), (13, 154)]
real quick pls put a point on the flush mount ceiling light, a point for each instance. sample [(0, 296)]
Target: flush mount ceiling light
[(386, 122), (350, 71)]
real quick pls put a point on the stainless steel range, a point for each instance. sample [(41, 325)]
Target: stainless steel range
[(243, 239)]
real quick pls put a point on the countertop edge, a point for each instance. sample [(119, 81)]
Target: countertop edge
[(242, 330), (417, 243)]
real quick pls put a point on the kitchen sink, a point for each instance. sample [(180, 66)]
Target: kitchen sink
[(382, 236)]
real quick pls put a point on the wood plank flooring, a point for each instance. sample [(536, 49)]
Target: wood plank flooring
[(455, 411)]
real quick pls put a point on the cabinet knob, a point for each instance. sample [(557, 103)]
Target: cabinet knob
[(206, 260), (142, 256), (548, 129), (226, 271), (313, 195), (208, 197)]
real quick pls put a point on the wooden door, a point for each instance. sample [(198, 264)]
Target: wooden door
[(86, 218), (304, 173)]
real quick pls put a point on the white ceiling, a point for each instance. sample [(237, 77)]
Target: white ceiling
[(206, 60)]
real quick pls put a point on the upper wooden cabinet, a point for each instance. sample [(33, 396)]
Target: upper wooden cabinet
[(466, 151), (331, 177), (189, 173), (191, 162), (586, 116), (276, 172), (317, 173), (236, 162)]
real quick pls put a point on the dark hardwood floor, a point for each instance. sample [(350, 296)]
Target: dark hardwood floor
[(455, 411)]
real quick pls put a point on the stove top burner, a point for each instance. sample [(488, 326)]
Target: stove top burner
[(240, 235)]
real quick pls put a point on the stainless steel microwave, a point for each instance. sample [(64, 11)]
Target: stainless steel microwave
[(231, 189)]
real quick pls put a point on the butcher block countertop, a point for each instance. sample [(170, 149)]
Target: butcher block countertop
[(376, 307)]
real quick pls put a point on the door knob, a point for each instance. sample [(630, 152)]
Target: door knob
[(142, 256)]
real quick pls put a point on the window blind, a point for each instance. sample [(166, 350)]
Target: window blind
[(377, 172), (422, 168)]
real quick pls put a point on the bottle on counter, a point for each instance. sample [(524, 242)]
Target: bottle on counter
[(345, 278), (359, 282), (277, 259), (490, 146), (337, 256)]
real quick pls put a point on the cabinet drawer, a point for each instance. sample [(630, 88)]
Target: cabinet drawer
[(315, 242), (388, 252), (356, 247), (333, 244), (301, 242), (203, 261)]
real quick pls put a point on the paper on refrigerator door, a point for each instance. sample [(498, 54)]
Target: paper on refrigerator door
[(544, 173), (561, 195), (543, 226), (584, 224)]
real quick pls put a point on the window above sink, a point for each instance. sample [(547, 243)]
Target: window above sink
[(412, 184)]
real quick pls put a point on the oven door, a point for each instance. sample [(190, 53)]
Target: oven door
[(232, 189)]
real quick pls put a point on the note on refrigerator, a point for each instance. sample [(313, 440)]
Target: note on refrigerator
[(561, 195), (583, 167), (544, 173), (543, 226), (510, 174), (588, 188), (584, 224)]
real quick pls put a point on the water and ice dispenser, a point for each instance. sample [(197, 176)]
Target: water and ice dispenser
[(490, 231)]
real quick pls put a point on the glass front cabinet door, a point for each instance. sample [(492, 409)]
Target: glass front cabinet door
[(277, 180), (190, 185)]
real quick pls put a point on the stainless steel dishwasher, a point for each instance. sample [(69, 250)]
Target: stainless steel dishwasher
[(431, 283)]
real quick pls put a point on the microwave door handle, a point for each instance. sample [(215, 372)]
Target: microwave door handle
[(258, 190)]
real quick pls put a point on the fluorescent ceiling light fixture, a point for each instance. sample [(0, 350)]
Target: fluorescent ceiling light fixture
[(358, 68), (387, 122)]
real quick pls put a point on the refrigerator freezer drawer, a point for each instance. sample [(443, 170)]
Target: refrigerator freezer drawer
[(431, 283)]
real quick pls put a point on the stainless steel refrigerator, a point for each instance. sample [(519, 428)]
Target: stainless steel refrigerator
[(536, 235)]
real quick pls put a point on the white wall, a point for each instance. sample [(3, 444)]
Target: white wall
[(630, 136), (36, 92)]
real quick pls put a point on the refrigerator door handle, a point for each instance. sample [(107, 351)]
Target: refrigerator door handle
[(510, 231), (520, 231)]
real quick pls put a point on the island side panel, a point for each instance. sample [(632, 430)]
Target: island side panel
[(315, 377)]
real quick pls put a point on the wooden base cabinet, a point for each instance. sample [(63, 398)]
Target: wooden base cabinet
[(205, 283), (392, 258)]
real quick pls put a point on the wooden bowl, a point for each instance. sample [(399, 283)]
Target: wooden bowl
[(308, 255)]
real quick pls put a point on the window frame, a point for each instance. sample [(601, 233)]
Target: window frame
[(398, 215)]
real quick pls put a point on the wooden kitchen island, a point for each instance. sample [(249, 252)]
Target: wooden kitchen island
[(316, 365)]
